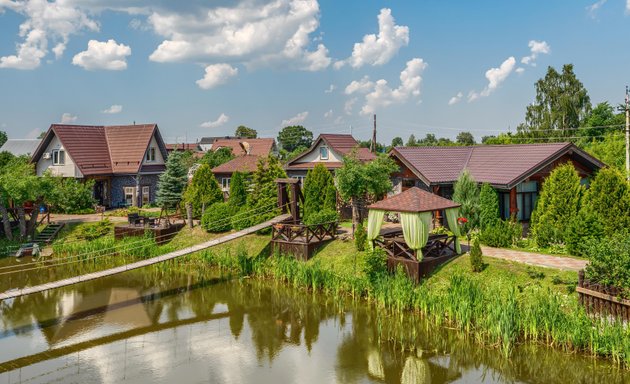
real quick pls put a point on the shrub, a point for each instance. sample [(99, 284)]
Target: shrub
[(93, 231), (610, 262), (375, 265), (360, 236), (203, 190), (71, 195), (585, 227), (321, 217), (558, 204), (488, 206), (217, 218), (608, 199), (502, 234), (476, 262), (466, 192)]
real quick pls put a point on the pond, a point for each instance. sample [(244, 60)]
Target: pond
[(159, 326)]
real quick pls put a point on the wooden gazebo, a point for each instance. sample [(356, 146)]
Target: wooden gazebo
[(411, 244)]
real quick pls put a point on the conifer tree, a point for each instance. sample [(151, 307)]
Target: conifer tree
[(466, 192), (172, 182), (557, 206), (238, 190), (608, 199), (203, 190), (319, 191), (488, 206)]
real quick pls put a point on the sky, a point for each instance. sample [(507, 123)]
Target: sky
[(202, 68)]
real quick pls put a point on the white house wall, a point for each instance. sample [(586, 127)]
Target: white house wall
[(69, 169), (313, 156), (158, 154)]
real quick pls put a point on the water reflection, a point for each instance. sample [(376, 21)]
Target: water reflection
[(157, 326)]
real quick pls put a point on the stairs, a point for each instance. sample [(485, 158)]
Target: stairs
[(48, 234)]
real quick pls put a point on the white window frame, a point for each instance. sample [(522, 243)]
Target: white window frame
[(59, 157), (146, 193), (225, 183), (151, 154), (301, 178), (129, 191), (321, 156)]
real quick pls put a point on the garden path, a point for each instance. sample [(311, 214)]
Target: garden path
[(537, 259)]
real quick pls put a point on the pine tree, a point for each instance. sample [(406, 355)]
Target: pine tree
[(238, 190), (319, 191), (466, 192), (557, 206), (203, 190), (476, 260), (172, 182), (488, 206)]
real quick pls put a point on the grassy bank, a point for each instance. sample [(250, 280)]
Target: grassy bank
[(504, 305)]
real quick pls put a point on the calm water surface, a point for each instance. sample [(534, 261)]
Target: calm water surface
[(152, 326)]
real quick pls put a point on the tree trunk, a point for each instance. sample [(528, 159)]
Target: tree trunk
[(32, 224), (355, 214), (6, 224), (22, 221), (189, 214)]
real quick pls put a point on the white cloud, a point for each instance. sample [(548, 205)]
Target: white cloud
[(383, 95), (536, 48), (103, 55), (379, 49), (362, 86), (593, 8), (250, 32), (627, 7), (455, 99), (222, 119), (114, 109), (330, 89), (328, 113), (519, 70), (349, 105), (495, 76), (67, 118), (46, 22), (296, 120), (217, 74)]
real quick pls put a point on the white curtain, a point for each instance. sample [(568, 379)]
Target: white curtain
[(451, 217), (375, 221), (415, 228)]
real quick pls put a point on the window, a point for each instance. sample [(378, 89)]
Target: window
[(59, 157), (151, 154), (301, 178), (146, 195), (526, 197), (323, 153), (225, 183), (130, 195)]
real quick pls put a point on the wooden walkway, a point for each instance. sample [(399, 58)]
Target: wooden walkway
[(139, 264)]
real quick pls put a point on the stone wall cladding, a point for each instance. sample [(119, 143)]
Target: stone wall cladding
[(119, 182)]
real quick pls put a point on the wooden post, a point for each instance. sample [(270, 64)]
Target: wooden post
[(295, 208), (513, 202), (282, 197), (437, 222)]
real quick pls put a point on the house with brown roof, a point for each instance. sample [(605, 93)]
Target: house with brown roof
[(328, 149), (247, 152), (124, 161), (516, 171)]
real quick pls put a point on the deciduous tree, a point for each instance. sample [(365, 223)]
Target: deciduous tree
[(245, 132), (295, 136)]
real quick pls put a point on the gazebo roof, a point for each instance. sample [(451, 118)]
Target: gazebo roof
[(414, 200)]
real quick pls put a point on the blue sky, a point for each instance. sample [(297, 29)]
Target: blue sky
[(201, 68)]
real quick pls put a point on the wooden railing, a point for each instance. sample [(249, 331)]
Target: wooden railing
[(394, 245), (304, 234), (602, 300)]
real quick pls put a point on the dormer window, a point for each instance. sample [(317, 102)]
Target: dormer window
[(58, 157), (151, 154), (323, 153)]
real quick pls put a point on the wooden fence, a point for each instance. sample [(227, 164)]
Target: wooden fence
[(602, 300)]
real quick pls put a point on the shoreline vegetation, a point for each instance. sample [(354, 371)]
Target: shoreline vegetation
[(505, 305)]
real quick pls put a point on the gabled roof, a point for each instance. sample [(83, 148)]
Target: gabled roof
[(246, 164), (414, 200), (343, 144), (98, 150), (257, 147), (19, 147), (183, 147), (502, 166)]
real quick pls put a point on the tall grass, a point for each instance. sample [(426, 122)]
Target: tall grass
[(496, 313)]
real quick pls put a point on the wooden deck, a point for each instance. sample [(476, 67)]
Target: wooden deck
[(301, 240), (113, 271)]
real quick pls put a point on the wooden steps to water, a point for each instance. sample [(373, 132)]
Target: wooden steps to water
[(48, 234)]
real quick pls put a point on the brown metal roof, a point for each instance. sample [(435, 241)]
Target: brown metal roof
[(247, 163), (414, 200), (86, 145), (257, 147), (499, 165), (340, 143), (128, 145), (103, 150)]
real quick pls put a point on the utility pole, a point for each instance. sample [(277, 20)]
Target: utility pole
[(373, 146), (627, 135)]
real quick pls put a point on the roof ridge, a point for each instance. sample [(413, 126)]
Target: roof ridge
[(470, 153)]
